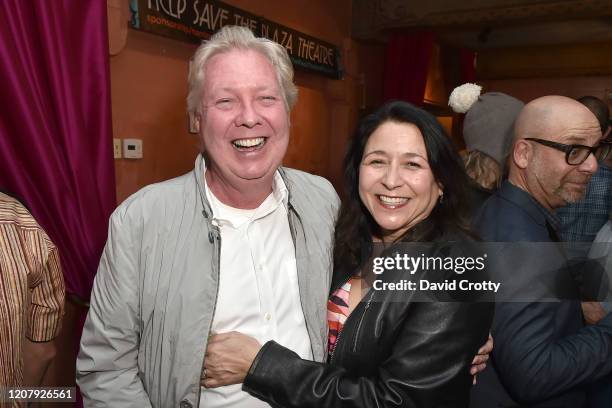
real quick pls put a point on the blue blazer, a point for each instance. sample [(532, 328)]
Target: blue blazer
[(544, 355)]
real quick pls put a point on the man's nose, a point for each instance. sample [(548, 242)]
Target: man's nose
[(247, 115), (589, 165)]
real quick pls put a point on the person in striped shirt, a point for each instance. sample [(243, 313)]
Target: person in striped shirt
[(31, 296)]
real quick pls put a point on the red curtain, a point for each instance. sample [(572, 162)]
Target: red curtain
[(468, 65), (55, 125), (406, 64)]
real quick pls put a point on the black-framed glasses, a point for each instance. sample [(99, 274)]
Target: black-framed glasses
[(576, 154)]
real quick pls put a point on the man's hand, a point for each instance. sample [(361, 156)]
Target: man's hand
[(480, 360), (593, 312), (228, 359)]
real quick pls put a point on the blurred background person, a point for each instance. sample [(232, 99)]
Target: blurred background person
[(600, 393), (487, 131), (582, 220)]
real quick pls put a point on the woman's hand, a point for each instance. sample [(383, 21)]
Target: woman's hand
[(228, 359), (480, 360)]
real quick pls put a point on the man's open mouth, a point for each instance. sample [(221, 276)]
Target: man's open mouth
[(247, 145)]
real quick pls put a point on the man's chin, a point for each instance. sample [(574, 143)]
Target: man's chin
[(256, 175), (573, 194)]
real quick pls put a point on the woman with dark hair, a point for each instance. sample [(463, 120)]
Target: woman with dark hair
[(405, 183)]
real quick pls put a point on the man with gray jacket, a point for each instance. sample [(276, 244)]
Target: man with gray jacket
[(239, 244)]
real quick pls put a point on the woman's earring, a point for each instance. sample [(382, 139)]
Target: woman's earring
[(441, 199)]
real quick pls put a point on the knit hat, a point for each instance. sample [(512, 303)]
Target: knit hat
[(489, 122)]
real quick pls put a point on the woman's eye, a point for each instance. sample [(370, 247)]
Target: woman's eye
[(376, 162), (412, 165)]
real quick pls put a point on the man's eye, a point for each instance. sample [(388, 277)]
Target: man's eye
[(224, 102), (268, 99)]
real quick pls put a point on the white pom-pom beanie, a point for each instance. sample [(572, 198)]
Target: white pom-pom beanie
[(463, 97), (489, 123)]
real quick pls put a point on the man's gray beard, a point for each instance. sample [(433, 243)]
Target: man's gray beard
[(569, 196)]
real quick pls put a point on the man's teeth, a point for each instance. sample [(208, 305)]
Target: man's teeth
[(248, 142), (392, 200)]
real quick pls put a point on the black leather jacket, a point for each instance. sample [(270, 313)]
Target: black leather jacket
[(389, 354)]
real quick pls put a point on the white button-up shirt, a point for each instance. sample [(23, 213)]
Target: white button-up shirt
[(258, 286)]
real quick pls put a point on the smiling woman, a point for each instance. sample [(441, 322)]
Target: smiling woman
[(405, 183), (396, 184)]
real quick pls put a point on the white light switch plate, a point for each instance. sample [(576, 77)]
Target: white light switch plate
[(132, 148)]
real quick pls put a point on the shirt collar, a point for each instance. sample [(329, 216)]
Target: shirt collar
[(279, 195)]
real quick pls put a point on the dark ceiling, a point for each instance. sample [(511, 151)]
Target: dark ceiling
[(482, 24)]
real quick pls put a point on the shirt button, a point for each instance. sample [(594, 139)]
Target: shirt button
[(268, 316)]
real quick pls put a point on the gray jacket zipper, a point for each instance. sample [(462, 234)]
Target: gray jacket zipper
[(213, 234)]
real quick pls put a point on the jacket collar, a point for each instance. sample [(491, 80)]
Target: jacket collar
[(527, 203), (198, 173)]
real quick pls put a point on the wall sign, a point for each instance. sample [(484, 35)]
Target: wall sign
[(195, 20)]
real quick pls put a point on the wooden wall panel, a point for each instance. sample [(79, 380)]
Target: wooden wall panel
[(148, 91), (309, 133), (527, 89), (551, 61)]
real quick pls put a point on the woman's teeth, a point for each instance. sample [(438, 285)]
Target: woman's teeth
[(248, 143), (392, 200)]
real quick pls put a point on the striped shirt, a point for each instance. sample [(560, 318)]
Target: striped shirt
[(31, 287)]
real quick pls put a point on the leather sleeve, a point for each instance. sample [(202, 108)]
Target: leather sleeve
[(533, 366), (428, 365)]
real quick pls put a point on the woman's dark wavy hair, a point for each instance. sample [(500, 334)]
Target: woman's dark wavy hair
[(355, 226)]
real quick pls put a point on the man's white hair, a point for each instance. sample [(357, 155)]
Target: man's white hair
[(241, 38)]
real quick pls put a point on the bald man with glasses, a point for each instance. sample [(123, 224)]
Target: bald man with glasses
[(545, 355)]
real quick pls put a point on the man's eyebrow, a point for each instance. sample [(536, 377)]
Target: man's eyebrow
[(575, 140), (256, 88)]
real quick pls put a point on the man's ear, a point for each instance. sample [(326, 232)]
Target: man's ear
[(196, 122), (521, 153)]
